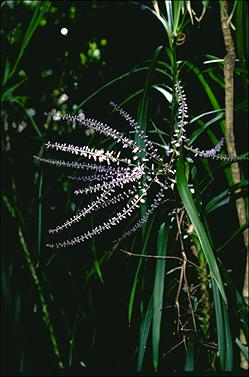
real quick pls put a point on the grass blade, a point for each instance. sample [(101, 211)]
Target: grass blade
[(229, 343), (240, 307), (207, 89), (221, 336), (39, 228), (242, 349), (143, 337), (135, 281), (72, 340), (162, 241), (233, 236), (109, 83), (44, 307), (96, 263), (189, 361), (164, 92), (41, 8), (190, 207)]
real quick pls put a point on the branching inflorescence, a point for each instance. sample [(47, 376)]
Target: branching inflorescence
[(117, 178)]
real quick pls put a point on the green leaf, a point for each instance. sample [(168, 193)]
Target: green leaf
[(143, 337), (203, 127), (233, 236), (164, 92), (229, 343), (39, 216), (189, 360), (225, 346), (72, 340), (8, 93), (207, 89), (218, 201), (240, 308), (242, 349), (40, 10), (6, 71), (96, 263), (190, 207), (32, 121), (177, 6), (224, 197), (135, 280), (162, 241), (219, 326)]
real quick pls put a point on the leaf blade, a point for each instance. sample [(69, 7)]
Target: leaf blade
[(190, 207), (158, 291)]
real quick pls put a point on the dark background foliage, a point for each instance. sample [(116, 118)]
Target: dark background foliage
[(124, 35)]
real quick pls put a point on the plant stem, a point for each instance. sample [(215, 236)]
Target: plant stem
[(45, 317), (229, 63)]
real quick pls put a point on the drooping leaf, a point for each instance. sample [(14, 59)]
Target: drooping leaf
[(144, 332), (158, 290), (190, 207)]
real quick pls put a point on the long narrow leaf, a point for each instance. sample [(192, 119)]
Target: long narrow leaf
[(162, 241), (219, 326), (40, 9), (135, 281), (144, 332), (242, 349), (44, 306), (189, 361), (207, 89), (39, 216), (190, 207), (228, 337)]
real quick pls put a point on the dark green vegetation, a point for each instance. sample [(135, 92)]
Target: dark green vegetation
[(93, 308)]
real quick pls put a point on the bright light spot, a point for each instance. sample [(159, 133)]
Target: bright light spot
[(21, 126), (96, 53), (64, 31), (57, 116), (81, 115), (63, 98), (31, 111), (103, 42)]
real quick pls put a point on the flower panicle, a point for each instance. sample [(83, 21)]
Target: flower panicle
[(79, 165), (120, 180), (104, 129), (213, 153), (149, 147), (179, 136), (103, 201), (143, 220), (99, 155), (125, 212), (101, 176), (114, 179)]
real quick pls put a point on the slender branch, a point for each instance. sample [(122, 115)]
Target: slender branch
[(131, 254), (44, 308), (183, 272)]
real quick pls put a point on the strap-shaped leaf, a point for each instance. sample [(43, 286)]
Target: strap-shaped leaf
[(144, 332), (162, 241), (190, 207)]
